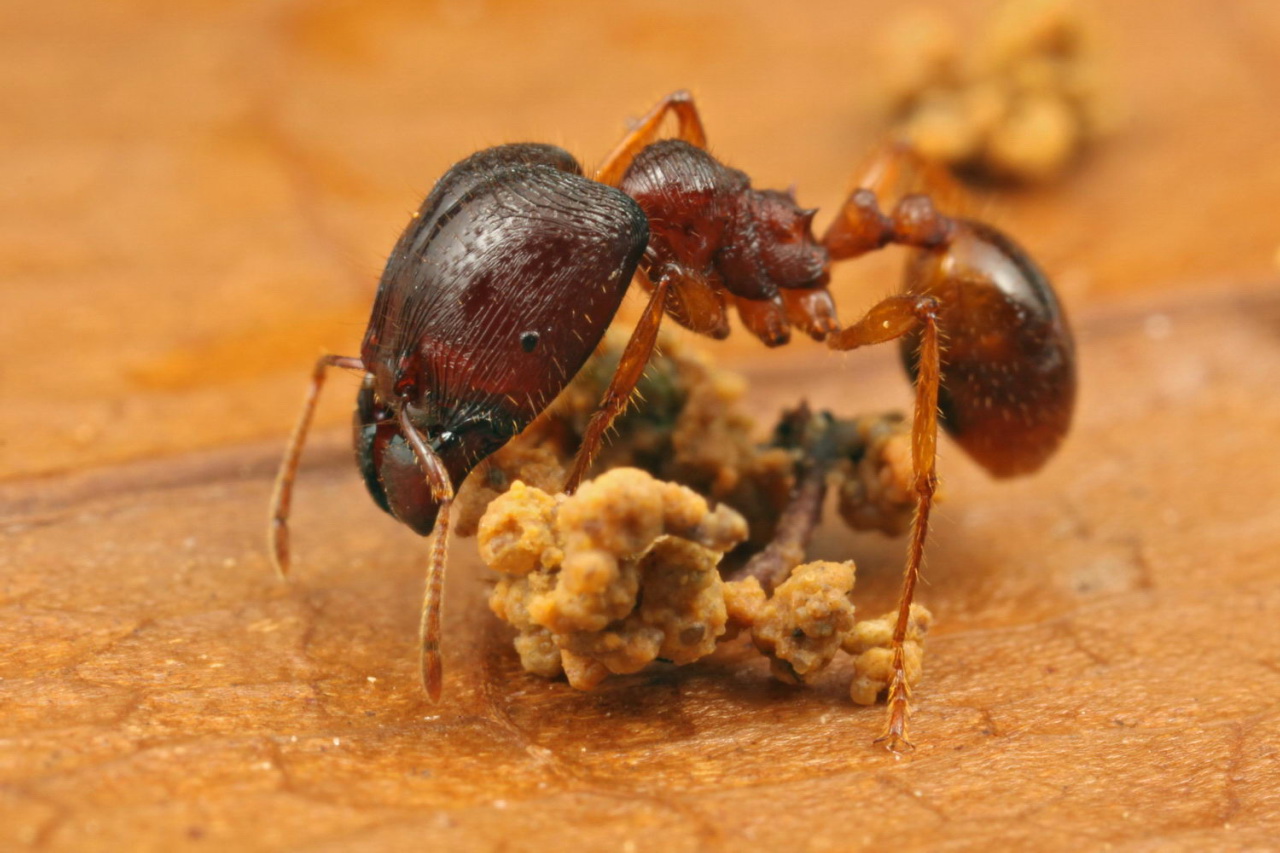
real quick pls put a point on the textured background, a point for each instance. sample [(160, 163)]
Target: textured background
[(194, 201)]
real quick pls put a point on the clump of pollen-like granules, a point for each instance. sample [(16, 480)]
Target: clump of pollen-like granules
[(869, 642), (1021, 101), (629, 571), (801, 626), (688, 426), (617, 575), (625, 572), (874, 490)]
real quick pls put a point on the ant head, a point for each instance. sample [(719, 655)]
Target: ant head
[(392, 472), (394, 478), (788, 250), (403, 480)]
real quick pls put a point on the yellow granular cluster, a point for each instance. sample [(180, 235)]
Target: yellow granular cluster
[(625, 572), (1022, 103), (610, 579), (802, 625), (870, 641), (874, 491)]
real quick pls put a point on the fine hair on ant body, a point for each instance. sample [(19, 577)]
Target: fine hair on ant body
[(509, 273)]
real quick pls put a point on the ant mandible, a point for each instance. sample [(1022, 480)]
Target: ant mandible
[(512, 269)]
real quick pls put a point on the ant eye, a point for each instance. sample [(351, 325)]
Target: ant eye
[(529, 341)]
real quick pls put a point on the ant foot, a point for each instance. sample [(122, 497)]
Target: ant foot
[(895, 730), (895, 737)]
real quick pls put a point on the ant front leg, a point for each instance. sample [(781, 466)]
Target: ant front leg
[(282, 495), (441, 492), (688, 128), (630, 368)]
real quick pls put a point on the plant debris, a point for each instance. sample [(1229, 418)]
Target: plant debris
[(1022, 102), (625, 572), (611, 578), (631, 569)]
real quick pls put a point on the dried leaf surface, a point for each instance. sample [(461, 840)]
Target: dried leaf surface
[(1103, 664), (195, 202)]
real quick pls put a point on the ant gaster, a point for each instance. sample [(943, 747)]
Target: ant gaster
[(512, 269)]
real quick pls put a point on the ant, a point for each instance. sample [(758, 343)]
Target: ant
[(508, 275)]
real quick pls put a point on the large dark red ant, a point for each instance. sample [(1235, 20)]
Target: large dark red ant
[(511, 270)]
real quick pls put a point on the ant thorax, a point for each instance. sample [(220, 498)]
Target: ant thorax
[(707, 222)]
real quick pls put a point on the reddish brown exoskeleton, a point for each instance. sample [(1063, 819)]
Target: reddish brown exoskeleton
[(514, 266)]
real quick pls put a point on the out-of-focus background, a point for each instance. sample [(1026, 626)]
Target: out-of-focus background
[(195, 201), (198, 197)]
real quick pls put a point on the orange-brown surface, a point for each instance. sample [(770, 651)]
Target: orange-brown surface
[(195, 200)]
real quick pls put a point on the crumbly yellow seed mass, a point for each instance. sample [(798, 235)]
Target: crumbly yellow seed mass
[(1021, 104), (869, 642), (803, 624), (614, 577), (875, 491), (627, 571)]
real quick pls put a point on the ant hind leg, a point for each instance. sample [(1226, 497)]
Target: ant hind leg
[(889, 320)]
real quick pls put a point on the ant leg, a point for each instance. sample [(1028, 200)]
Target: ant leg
[(812, 311), (860, 226), (766, 319), (630, 368), (694, 303), (891, 319), (689, 128), (897, 169), (441, 492), (282, 495)]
